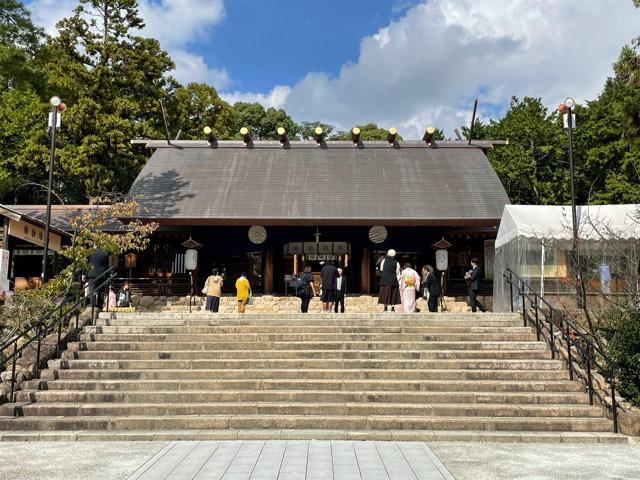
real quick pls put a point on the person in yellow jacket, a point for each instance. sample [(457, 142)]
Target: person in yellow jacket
[(243, 288)]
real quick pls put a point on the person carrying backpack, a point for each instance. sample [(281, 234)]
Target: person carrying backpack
[(305, 289)]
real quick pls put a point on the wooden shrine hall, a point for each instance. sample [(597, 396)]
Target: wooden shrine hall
[(271, 208)]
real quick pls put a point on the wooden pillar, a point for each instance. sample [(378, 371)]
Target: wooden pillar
[(295, 264), (5, 234), (365, 271), (267, 268)]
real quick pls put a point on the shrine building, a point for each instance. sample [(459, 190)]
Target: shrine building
[(269, 208)]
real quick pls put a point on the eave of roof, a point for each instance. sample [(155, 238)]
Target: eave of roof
[(14, 213)]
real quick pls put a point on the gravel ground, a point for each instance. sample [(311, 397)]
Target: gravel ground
[(73, 460), (531, 461)]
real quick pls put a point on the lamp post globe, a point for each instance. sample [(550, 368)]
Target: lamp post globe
[(55, 101)]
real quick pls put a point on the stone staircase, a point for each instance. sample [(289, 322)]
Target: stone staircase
[(201, 376)]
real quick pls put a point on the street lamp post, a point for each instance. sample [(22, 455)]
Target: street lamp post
[(56, 106), (567, 109)]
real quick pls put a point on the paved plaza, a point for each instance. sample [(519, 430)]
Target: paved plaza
[(308, 460)]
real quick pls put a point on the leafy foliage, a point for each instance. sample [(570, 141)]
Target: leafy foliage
[(370, 132), (197, 106), (263, 123), (307, 130), (622, 333), (20, 41), (29, 306)]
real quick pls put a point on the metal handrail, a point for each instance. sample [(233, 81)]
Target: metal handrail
[(541, 315), (37, 331)]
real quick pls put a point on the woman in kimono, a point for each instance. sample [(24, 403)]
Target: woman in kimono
[(409, 281)]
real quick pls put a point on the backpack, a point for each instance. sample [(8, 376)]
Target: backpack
[(300, 286)]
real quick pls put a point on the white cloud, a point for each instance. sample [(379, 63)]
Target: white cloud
[(275, 98), (175, 23), (193, 68), (426, 67)]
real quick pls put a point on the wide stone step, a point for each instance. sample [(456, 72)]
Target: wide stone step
[(301, 330), (277, 323), (339, 422), (309, 338), (276, 346), (293, 316), (311, 408), (98, 354), (201, 379), (287, 434), (330, 379), (172, 392), (198, 369), (361, 385), (438, 364)]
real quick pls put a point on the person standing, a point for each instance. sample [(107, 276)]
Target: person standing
[(341, 290), (213, 290), (409, 283), (473, 276), (242, 288), (110, 302), (389, 288), (124, 296), (431, 287), (308, 290), (328, 295)]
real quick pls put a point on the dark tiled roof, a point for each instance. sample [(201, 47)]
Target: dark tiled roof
[(27, 215), (410, 184), (61, 214)]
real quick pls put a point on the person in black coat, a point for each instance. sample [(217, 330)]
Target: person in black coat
[(430, 285), (328, 273), (341, 290), (308, 290), (473, 276), (389, 293)]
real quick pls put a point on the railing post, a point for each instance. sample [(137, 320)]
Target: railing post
[(13, 370), (614, 405), (39, 333), (77, 319), (569, 355), (535, 297), (511, 289), (59, 337), (93, 305), (589, 376), (552, 342), (524, 306)]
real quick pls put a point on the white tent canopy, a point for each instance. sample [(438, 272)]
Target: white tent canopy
[(535, 242), (595, 222)]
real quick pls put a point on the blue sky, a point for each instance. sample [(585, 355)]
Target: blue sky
[(401, 63), (263, 43)]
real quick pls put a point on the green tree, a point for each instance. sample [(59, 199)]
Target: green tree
[(196, 106), (23, 140), (111, 80), (371, 132), (20, 41), (308, 130), (263, 123), (533, 167), (480, 131), (606, 137)]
